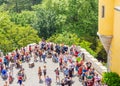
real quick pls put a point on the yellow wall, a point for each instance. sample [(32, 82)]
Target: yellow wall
[(117, 2), (115, 48), (106, 23), (110, 25)]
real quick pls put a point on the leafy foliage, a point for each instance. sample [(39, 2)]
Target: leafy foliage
[(87, 45), (66, 38), (19, 5), (45, 23), (13, 36), (111, 79), (25, 18)]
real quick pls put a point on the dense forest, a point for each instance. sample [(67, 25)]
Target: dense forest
[(61, 21)]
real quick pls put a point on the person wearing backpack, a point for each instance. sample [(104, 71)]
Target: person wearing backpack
[(57, 74)]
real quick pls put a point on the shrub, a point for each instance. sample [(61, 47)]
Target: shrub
[(86, 45), (111, 79)]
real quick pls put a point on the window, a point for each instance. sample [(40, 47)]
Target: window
[(103, 11)]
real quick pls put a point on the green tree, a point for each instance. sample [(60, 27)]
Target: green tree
[(13, 36), (66, 38), (20, 5), (24, 18), (82, 16), (46, 22)]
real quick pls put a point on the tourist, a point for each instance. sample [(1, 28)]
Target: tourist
[(66, 72), (44, 71), (69, 82), (89, 79), (11, 69), (62, 82), (39, 73), (40, 55), (35, 55), (30, 49), (70, 72), (48, 81), (80, 71), (72, 65), (5, 61), (96, 80), (55, 58), (83, 73), (57, 74), (44, 56), (20, 80), (1, 60), (4, 73), (88, 64), (10, 78), (60, 61), (65, 60), (1, 68), (23, 75)]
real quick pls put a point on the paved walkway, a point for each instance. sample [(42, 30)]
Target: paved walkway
[(32, 75)]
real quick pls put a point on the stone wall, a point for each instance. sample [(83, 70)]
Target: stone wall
[(97, 65)]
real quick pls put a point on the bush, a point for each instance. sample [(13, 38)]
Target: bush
[(86, 45), (66, 37), (111, 79)]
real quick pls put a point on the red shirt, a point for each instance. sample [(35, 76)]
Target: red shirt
[(80, 70), (20, 78), (30, 48), (7, 57), (76, 53), (60, 60), (0, 60)]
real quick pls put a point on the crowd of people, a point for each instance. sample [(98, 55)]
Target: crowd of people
[(61, 54)]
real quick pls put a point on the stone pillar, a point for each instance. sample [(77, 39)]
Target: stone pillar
[(106, 41)]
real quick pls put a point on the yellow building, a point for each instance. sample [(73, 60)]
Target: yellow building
[(109, 31)]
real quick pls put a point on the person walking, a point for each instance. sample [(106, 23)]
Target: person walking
[(57, 74), (61, 61), (44, 71), (39, 73), (40, 55), (48, 81), (44, 56), (20, 80)]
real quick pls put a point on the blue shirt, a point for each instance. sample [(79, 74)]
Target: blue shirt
[(66, 72), (48, 81)]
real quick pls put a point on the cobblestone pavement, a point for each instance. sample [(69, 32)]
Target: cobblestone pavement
[(32, 75)]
